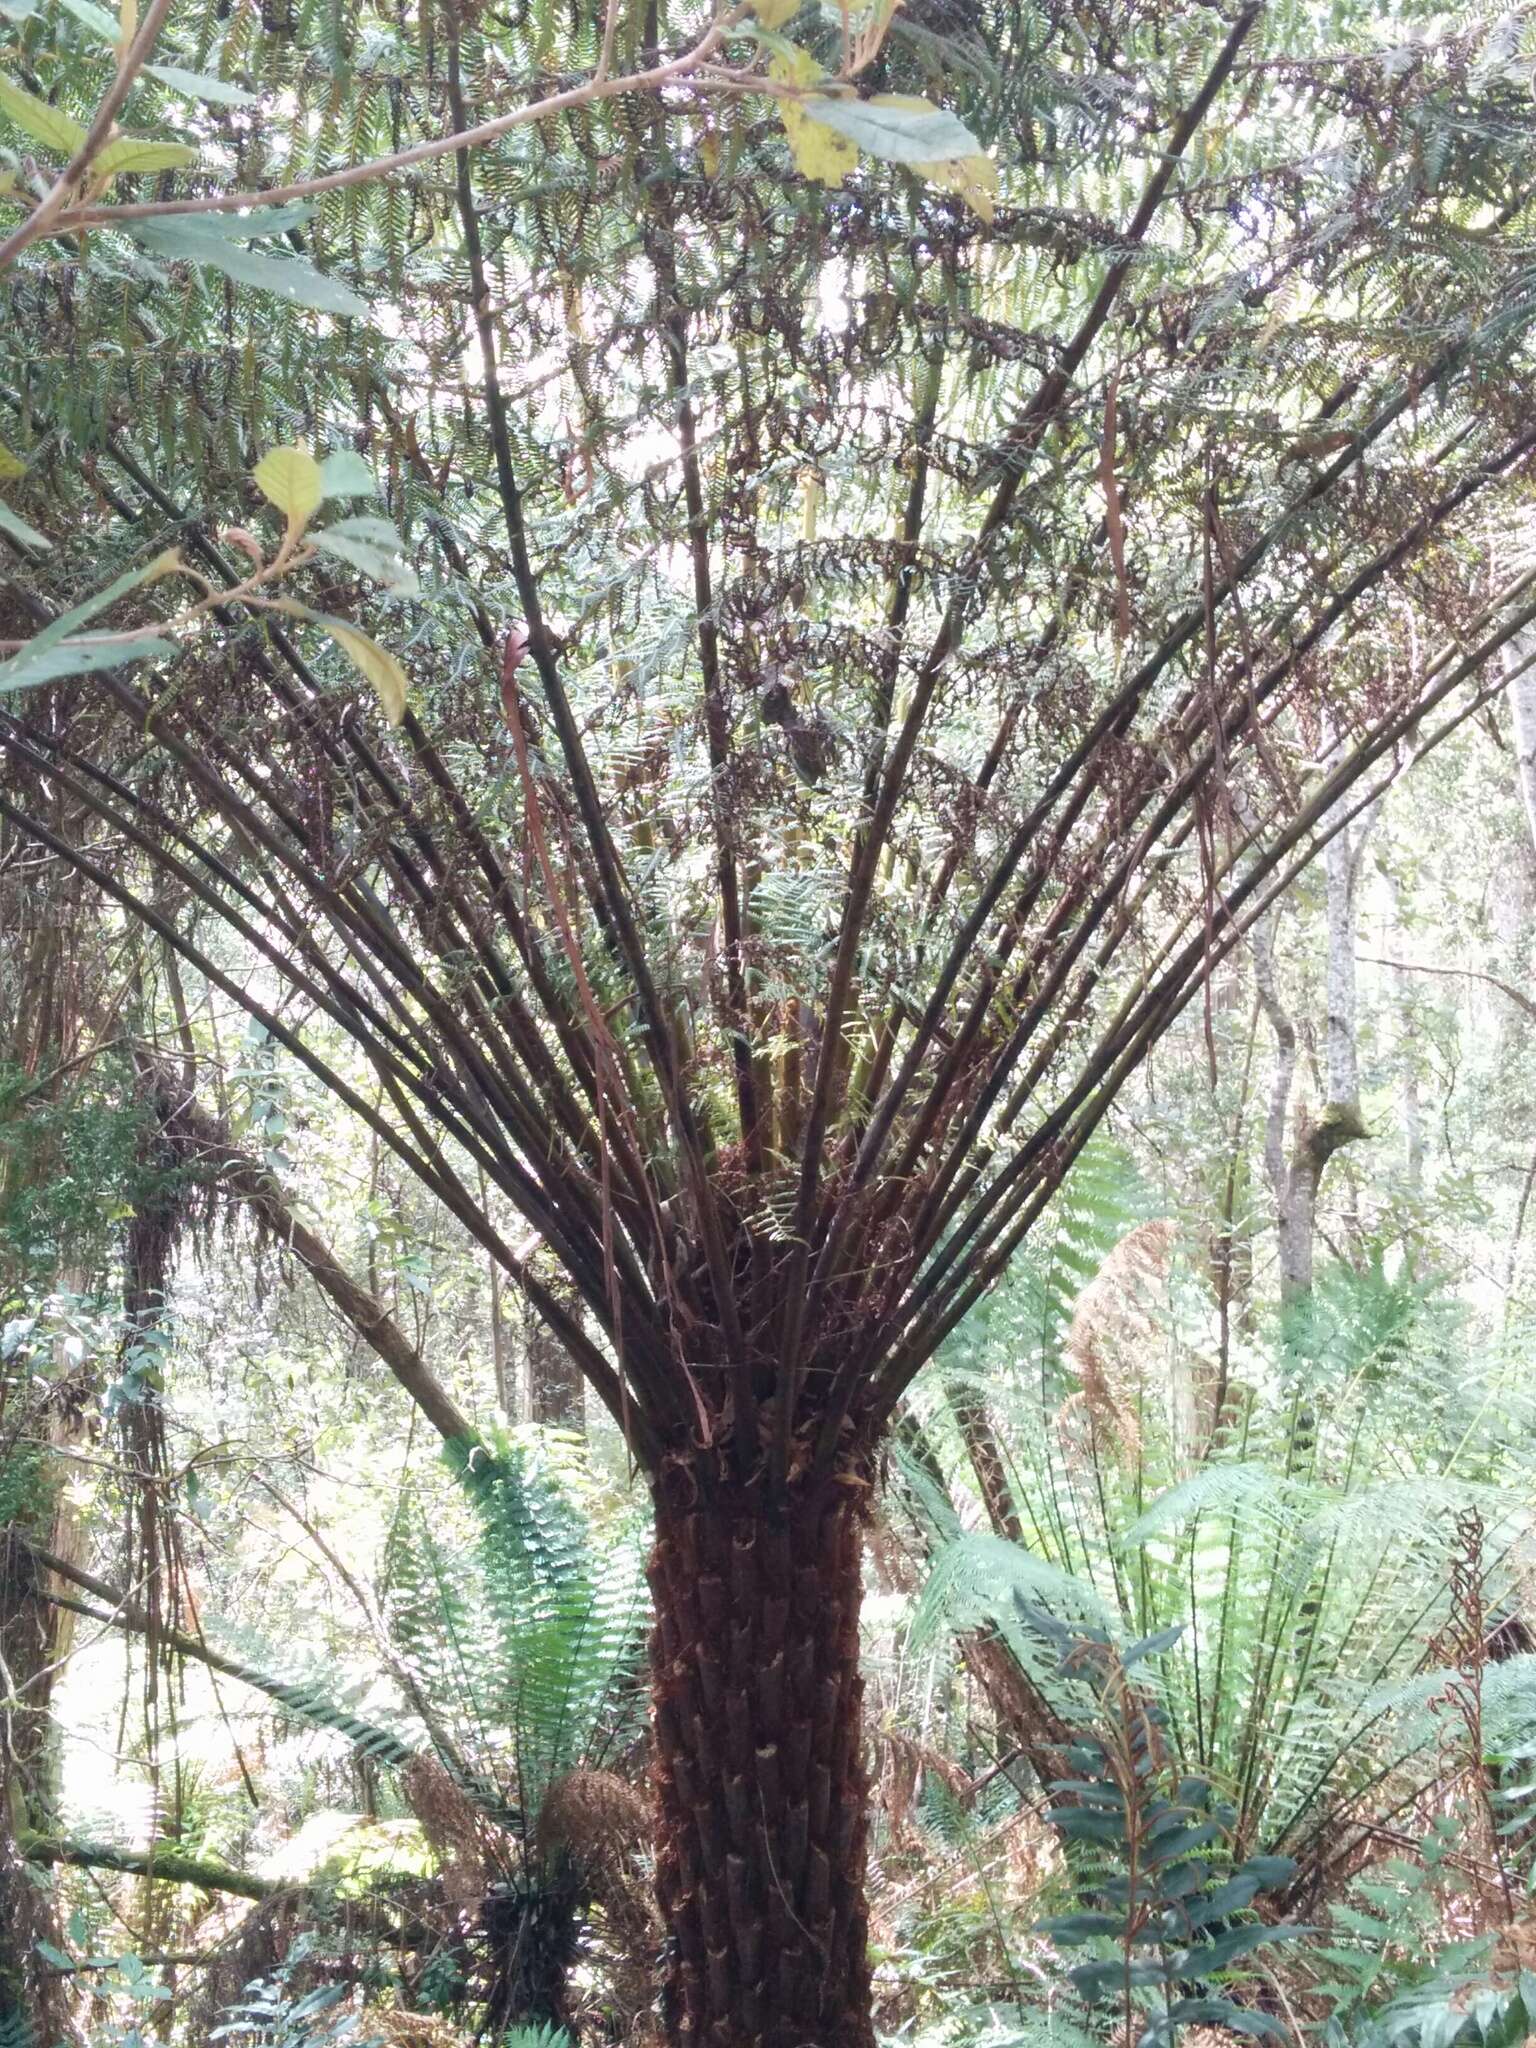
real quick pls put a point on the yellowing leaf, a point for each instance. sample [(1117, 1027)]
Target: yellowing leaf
[(56, 130), (166, 563), (709, 154), (11, 466), (128, 22), (971, 178), (819, 152), (291, 479), (376, 663), (142, 153), (774, 13)]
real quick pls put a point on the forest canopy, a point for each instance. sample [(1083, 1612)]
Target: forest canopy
[(818, 719)]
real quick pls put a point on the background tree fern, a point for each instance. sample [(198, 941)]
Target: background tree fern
[(1307, 1569)]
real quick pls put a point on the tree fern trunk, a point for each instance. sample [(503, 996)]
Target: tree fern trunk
[(760, 1773)]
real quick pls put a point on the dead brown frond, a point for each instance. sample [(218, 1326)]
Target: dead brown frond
[(455, 1828), (1110, 1341)]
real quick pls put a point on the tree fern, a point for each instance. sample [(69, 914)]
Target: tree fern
[(1307, 1597), (526, 1623)]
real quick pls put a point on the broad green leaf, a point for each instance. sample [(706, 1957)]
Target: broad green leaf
[(346, 475), (290, 479), (896, 127), (372, 545), (143, 153), (18, 10), (196, 85), (11, 464), (373, 661), (96, 19), (775, 13), (92, 607), (55, 130), (818, 152), (257, 224), (13, 524), (25, 669), (191, 240)]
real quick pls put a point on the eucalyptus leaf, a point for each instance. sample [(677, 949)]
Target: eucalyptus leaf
[(94, 18), (131, 153), (17, 527), (289, 478), (254, 224), (92, 607), (379, 666), (50, 126)]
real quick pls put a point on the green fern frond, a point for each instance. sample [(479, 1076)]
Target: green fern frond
[(976, 1579), (518, 1624)]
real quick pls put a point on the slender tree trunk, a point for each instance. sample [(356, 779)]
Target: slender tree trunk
[(1295, 1179), (762, 1829), (1522, 704), (989, 1462), (556, 1391), (1405, 1049)]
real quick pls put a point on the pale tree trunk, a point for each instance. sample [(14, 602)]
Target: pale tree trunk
[(1522, 705), (1407, 1044), (43, 1034), (1296, 1170)]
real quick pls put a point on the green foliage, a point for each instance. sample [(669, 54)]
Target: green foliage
[(26, 1491), (273, 2015), (68, 1164), (1150, 1863), (1384, 1939), (1307, 1572), (523, 1632), (1345, 243), (1458, 2006)]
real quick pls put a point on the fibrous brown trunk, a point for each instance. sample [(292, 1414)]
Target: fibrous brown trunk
[(760, 1775)]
